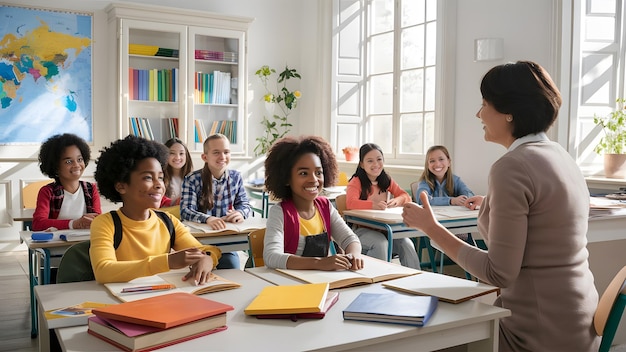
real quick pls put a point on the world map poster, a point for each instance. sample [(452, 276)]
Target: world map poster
[(45, 74)]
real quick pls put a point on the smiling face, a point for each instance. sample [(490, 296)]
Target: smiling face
[(497, 128), (307, 179), (177, 157), (438, 164), (72, 165), (373, 164), (145, 187), (217, 155)]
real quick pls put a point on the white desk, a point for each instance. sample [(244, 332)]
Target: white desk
[(471, 322), (456, 219)]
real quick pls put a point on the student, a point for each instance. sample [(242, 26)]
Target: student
[(179, 165), (66, 203), (534, 219), (214, 194), (300, 227), (372, 188), (131, 171), (438, 181)]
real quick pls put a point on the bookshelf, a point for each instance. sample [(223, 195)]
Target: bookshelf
[(179, 72)]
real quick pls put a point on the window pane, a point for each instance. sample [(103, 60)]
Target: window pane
[(431, 10), (380, 94), (348, 101), (347, 135), (429, 131), (600, 28), (411, 83), (412, 12), (431, 44), (381, 16), (380, 130), (429, 89), (412, 47), (411, 133), (381, 54)]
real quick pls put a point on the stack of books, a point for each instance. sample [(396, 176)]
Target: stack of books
[(156, 322), (226, 56), (310, 301)]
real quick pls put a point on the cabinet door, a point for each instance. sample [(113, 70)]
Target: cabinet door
[(153, 85), (216, 73)]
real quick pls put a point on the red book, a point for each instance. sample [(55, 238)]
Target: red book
[(164, 311)]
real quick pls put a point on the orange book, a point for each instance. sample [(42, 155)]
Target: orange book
[(164, 311)]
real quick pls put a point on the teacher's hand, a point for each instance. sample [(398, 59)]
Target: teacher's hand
[(474, 202), (419, 217)]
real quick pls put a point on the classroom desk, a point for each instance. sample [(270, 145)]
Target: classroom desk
[(470, 322), (456, 219), (40, 256)]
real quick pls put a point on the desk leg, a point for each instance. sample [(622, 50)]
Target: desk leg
[(44, 335), (32, 277), (390, 240), (490, 344)]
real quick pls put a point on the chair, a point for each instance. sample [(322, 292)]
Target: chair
[(258, 195), (340, 203), (174, 210), (75, 264), (29, 198), (343, 179), (414, 186), (255, 240), (610, 310)]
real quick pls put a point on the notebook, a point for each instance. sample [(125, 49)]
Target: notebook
[(447, 288), (289, 299), (392, 308), (173, 277)]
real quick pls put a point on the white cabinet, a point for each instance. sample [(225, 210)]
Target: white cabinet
[(179, 71)]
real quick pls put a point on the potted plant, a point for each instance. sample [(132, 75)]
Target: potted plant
[(278, 95), (350, 153), (613, 143)]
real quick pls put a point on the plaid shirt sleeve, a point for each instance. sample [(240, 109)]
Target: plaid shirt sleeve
[(241, 202), (192, 189)]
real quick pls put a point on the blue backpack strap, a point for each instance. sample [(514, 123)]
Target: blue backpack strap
[(117, 224), (170, 226)]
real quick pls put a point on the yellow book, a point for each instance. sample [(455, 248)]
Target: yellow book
[(71, 316), (290, 299)]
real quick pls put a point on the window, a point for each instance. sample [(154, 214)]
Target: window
[(597, 73), (385, 77)]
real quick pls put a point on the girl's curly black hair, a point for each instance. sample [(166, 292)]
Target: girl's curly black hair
[(51, 150), (117, 161), (283, 155)]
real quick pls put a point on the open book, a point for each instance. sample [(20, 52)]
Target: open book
[(447, 288), (74, 235), (248, 225), (374, 270), (174, 277)]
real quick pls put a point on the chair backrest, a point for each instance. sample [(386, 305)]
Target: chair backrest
[(30, 192), (340, 203), (259, 200), (174, 210), (610, 309), (414, 185), (75, 264), (255, 240), (343, 179)]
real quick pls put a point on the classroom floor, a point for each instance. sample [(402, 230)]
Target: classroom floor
[(15, 300)]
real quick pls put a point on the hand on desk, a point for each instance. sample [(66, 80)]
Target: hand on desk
[(460, 200), (216, 223), (200, 272), (84, 222), (233, 216), (474, 202), (340, 262)]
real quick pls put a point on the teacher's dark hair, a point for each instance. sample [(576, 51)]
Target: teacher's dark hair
[(525, 91)]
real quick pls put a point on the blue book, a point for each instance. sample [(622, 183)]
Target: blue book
[(394, 308)]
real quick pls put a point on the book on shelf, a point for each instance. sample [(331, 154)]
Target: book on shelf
[(164, 311), (331, 299), (289, 299), (392, 308), (374, 270), (75, 315), (447, 288), (248, 225), (172, 278), (136, 338), (151, 50)]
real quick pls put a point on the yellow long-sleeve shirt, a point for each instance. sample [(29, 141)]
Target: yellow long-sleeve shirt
[(143, 250)]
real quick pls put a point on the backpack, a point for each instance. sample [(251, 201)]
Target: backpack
[(76, 264)]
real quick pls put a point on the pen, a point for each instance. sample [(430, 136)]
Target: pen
[(148, 288)]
